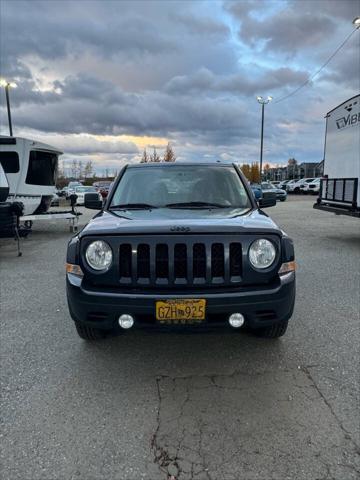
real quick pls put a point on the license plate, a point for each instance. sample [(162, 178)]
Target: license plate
[(180, 311)]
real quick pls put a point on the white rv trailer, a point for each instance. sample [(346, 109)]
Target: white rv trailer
[(340, 189), (4, 185), (31, 169)]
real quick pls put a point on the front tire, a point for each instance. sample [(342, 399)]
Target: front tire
[(273, 331), (89, 333)]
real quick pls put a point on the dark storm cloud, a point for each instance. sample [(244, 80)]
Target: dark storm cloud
[(187, 71), (287, 31), (45, 29), (205, 81), (201, 26), (346, 69), (295, 26), (88, 105)]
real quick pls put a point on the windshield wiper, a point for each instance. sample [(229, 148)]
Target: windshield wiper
[(196, 205), (132, 206)]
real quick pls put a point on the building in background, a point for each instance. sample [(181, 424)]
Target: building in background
[(294, 170)]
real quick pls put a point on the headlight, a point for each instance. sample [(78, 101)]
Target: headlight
[(99, 255), (262, 253)]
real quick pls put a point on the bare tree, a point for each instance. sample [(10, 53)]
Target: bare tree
[(154, 157), (74, 168), (80, 169), (88, 169), (266, 171), (169, 155), (145, 157)]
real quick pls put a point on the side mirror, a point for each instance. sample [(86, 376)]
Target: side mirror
[(268, 200), (91, 200)]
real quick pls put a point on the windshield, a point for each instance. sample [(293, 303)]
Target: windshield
[(42, 168), (173, 186), (267, 186)]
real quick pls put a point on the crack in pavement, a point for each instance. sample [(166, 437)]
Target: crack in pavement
[(182, 444), (347, 434)]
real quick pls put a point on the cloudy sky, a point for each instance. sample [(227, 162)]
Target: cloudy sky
[(103, 79)]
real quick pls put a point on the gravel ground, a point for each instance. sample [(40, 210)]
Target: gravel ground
[(163, 406)]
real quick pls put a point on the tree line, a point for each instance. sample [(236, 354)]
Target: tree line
[(169, 155), (251, 172)]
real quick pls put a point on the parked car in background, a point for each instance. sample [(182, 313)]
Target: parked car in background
[(269, 187), (62, 192), (81, 191), (103, 187), (283, 184), (55, 201), (256, 188), (311, 187), (294, 187), (276, 183), (71, 188), (289, 185)]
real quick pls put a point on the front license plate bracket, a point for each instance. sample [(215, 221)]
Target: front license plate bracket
[(180, 312)]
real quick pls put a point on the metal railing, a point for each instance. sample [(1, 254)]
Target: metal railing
[(341, 190)]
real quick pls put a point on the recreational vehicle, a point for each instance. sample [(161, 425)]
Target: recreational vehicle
[(340, 187), (31, 169), (4, 186)]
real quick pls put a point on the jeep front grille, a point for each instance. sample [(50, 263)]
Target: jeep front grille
[(180, 263)]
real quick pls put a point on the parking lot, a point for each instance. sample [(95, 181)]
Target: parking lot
[(180, 406)]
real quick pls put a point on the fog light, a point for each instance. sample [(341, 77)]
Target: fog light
[(236, 320), (126, 321)]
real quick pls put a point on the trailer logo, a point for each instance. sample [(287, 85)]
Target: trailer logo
[(348, 121), (349, 107)]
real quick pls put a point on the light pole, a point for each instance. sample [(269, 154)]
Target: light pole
[(356, 22), (8, 85), (263, 102)]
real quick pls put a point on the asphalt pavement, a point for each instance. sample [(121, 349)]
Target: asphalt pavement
[(183, 406)]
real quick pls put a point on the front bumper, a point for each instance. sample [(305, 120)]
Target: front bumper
[(260, 306)]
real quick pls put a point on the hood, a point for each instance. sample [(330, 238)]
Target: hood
[(274, 190), (170, 221)]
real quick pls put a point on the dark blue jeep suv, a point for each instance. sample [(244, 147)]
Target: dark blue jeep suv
[(180, 246)]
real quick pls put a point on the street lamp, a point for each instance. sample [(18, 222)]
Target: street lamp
[(7, 85), (263, 101), (356, 22)]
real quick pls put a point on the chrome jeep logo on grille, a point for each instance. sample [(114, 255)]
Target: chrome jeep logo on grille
[(179, 229)]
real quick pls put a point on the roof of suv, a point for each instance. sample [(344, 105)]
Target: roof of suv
[(171, 164)]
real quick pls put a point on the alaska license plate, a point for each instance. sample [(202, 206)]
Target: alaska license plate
[(181, 311)]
